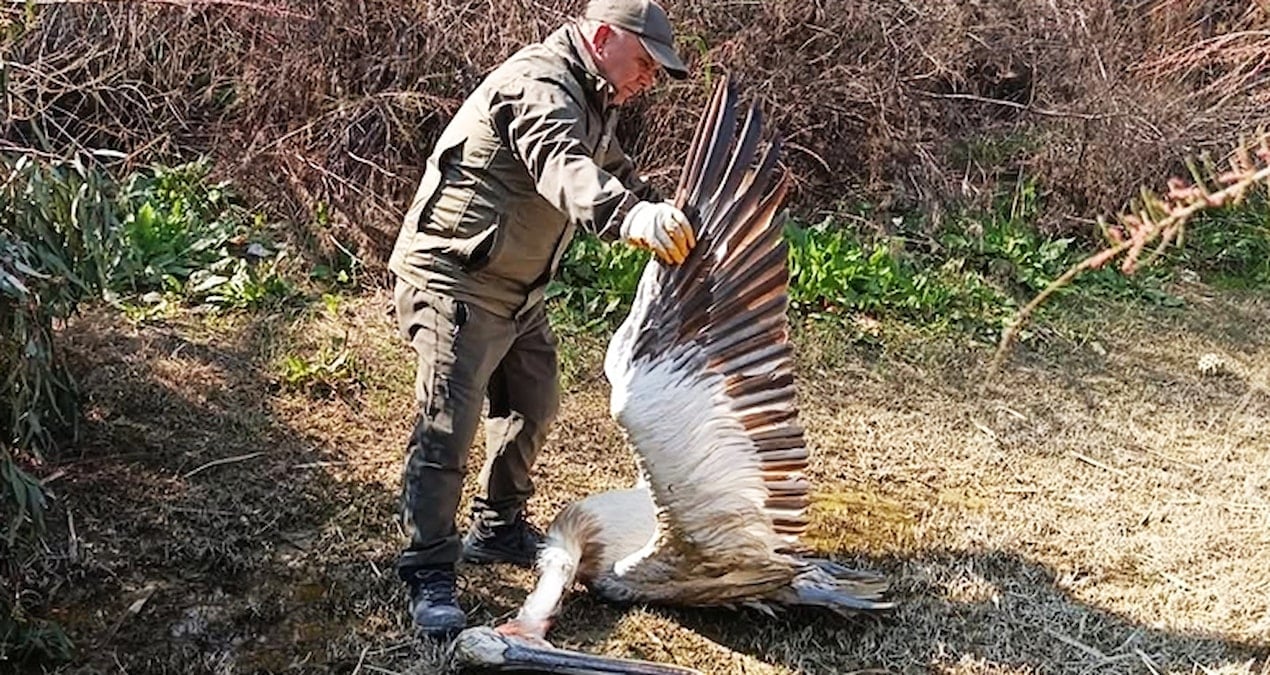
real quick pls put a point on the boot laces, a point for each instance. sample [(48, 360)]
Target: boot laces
[(436, 586), (518, 530)]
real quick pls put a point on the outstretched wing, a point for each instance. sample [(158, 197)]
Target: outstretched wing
[(701, 368)]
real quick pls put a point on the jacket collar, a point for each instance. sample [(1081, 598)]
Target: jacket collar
[(570, 43)]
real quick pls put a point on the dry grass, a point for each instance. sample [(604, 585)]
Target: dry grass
[(1102, 508), (903, 105)]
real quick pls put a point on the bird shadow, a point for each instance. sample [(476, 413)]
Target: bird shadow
[(975, 610)]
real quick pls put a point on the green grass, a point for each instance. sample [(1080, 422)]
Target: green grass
[(1230, 247)]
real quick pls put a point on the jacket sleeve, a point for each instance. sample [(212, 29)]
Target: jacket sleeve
[(618, 163), (542, 124)]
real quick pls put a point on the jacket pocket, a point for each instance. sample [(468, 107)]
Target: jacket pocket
[(485, 247), (430, 186)]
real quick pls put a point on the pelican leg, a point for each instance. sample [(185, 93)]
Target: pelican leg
[(487, 648), (556, 571)]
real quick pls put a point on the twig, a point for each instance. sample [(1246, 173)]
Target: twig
[(202, 511), (361, 659), (132, 610), (1011, 331), (1066, 639), (1093, 462), (72, 539), (372, 165), (1022, 106), (807, 151), (1170, 458), (242, 4), (1147, 661), (351, 256), (984, 428), (319, 465), (1013, 412), (225, 460), (1143, 229)]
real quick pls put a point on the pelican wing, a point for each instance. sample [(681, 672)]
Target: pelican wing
[(701, 370)]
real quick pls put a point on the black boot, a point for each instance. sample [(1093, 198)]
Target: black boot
[(493, 539), (432, 604)]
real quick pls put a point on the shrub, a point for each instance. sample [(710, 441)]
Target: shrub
[(59, 238), (1231, 245), (1155, 223), (184, 234), (596, 283), (332, 371), (174, 224), (832, 272), (1003, 243)]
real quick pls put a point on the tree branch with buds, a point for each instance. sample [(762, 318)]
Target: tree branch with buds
[(1157, 222)]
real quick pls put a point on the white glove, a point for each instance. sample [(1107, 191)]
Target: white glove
[(660, 228)]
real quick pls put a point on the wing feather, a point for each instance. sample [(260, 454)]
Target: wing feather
[(701, 369)]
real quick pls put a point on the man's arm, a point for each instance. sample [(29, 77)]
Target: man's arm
[(618, 163), (541, 124)]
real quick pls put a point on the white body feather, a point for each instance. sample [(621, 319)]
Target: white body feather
[(696, 454)]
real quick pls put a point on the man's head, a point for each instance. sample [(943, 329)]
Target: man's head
[(631, 41)]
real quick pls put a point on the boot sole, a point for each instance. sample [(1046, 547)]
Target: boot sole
[(436, 634)]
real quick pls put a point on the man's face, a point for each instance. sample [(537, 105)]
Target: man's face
[(624, 62)]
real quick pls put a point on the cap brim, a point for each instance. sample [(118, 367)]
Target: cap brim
[(665, 55)]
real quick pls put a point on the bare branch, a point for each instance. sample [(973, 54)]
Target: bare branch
[(1159, 221)]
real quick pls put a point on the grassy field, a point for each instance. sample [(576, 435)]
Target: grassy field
[(1101, 506)]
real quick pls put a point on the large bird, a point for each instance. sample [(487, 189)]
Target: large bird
[(703, 386)]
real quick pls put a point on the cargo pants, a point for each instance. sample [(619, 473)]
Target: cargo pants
[(466, 354)]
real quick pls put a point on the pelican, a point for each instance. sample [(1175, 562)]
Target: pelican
[(703, 386)]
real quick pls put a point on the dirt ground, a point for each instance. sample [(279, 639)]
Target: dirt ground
[(1101, 507)]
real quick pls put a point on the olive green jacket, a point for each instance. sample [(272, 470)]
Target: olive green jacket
[(529, 157)]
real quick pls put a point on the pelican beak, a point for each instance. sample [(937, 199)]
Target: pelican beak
[(484, 647)]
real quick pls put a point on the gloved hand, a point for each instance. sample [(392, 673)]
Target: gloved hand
[(660, 228)]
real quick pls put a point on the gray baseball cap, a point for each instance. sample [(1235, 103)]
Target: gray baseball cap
[(646, 19)]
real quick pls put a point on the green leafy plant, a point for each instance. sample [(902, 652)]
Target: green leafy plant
[(1231, 244), (237, 283), (331, 371), (175, 223), (58, 240), (835, 274), (1003, 244), (596, 283), (185, 235), (69, 233), (832, 272)]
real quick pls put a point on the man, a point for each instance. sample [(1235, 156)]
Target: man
[(529, 157)]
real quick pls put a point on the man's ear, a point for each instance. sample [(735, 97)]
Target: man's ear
[(603, 33)]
